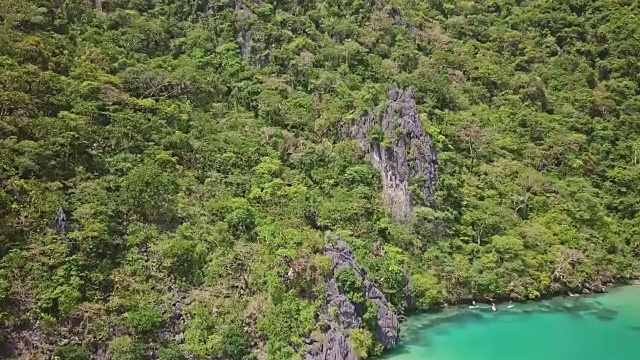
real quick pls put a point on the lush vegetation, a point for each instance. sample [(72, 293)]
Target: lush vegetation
[(192, 146)]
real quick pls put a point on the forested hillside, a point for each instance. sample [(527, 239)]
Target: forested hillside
[(174, 175)]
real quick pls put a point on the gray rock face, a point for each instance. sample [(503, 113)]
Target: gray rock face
[(347, 317), (341, 315), (388, 327), (60, 222), (334, 347), (61, 225), (398, 147), (99, 5), (255, 50)]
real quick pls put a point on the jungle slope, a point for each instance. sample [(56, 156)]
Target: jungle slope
[(169, 169)]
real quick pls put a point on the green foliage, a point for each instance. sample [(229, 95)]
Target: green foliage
[(361, 341), (183, 255), (70, 352), (427, 291), (209, 333), (125, 348), (149, 190), (236, 343), (370, 316), (170, 352), (376, 134), (195, 151), (145, 321), (351, 285), (323, 264), (286, 321)]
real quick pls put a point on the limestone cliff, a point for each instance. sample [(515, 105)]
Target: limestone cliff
[(396, 144)]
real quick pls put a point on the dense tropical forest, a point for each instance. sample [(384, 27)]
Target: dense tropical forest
[(171, 171)]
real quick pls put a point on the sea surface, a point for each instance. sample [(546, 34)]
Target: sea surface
[(594, 327)]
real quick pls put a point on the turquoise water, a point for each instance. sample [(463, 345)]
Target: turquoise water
[(587, 328)]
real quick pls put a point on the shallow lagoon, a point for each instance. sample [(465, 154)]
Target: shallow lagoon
[(594, 327)]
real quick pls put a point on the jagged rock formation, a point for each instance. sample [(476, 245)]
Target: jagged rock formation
[(61, 226), (334, 347), (398, 147), (341, 315), (60, 222)]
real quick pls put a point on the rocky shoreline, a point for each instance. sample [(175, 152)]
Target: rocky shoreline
[(505, 299), (340, 315)]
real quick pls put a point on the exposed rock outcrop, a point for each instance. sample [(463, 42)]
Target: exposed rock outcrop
[(99, 5), (60, 222), (396, 144), (341, 315), (255, 50), (334, 347), (409, 298), (61, 226)]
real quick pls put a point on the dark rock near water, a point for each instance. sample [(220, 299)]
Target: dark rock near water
[(388, 326), (346, 311), (342, 315), (396, 144), (409, 298)]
